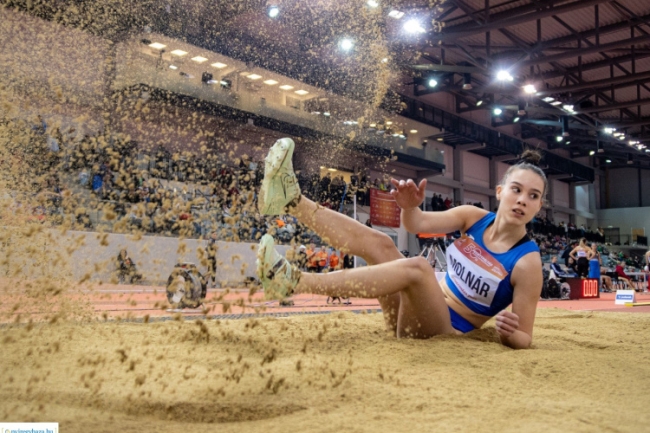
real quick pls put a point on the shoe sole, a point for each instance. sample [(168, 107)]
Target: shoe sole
[(270, 176), (264, 256)]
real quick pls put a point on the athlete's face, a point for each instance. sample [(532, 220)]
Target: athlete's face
[(521, 196)]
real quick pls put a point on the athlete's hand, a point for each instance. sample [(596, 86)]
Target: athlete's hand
[(507, 323), (407, 194)]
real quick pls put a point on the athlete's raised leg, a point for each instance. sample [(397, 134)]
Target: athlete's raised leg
[(280, 194)]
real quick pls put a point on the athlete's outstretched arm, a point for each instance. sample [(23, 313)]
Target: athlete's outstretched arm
[(516, 328), (409, 196)]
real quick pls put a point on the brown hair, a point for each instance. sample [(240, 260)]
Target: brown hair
[(528, 160)]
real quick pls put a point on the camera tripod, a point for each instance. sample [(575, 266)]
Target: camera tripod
[(433, 251)]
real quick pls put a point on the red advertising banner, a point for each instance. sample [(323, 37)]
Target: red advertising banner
[(383, 209)]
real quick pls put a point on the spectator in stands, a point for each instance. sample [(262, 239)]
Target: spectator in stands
[(620, 273), (566, 255), (212, 258), (558, 271), (321, 255), (312, 259), (573, 266), (126, 268)]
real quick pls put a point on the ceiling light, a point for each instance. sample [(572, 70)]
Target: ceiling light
[(559, 138), (413, 26), (516, 119), (432, 82), (270, 82), (608, 161), (609, 130), (632, 142), (373, 125), (157, 46), (568, 107), (179, 53), (439, 139), (556, 103), (395, 14), (384, 60), (479, 102), (331, 169), (389, 122), (548, 99), (504, 75), (174, 67), (327, 113), (286, 87), (273, 11), (199, 59), (346, 44), (592, 152), (372, 3), (301, 92), (254, 77), (530, 89), (413, 131), (497, 111), (218, 65)]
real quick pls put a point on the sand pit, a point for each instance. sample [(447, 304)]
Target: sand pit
[(335, 372)]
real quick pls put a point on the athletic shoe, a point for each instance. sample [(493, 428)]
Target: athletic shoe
[(280, 185), (275, 272)]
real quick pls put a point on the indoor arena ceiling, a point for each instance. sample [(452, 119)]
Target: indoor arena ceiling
[(572, 73)]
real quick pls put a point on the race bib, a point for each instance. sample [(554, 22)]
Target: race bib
[(474, 271)]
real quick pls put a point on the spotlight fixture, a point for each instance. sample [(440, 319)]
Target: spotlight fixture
[(592, 152), (467, 82), (413, 26), (497, 111), (608, 161), (548, 99), (529, 89), (346, 44), (559, 138), (516, 119), (504, 75), (157, 46), (432, 82), (479, 102), (273, 11), (609, 130), (568, 107)]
